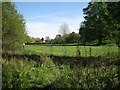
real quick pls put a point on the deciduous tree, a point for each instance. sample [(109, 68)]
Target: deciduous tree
[(95, 24), (13, 28), (64, 29)]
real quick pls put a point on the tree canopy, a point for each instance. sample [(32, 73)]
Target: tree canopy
[(13, 28), (67, 38), (100, 24)]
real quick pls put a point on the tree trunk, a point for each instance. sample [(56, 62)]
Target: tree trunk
[(119, 39), (99, 40)]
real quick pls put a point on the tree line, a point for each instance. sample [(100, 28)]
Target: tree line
[(59, 39), (65, 37)]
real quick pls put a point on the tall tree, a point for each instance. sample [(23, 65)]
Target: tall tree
[(94, 24), (114, 19), (0, 28), (73, 38), (64, 29), (47, 39), (13, 28), (58, 39), (42, 39)]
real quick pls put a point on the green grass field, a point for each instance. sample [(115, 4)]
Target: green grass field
[(72, 50)]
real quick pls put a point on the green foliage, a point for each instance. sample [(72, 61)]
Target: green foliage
[(13, 28), (89, 78), (67, 38), (86, 72), (101, 22), (114, 20), (58, 39), (72, 38), (101, 74), (26, 74), (95, 24)]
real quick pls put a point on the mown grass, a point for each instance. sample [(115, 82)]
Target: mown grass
[(72, 50)]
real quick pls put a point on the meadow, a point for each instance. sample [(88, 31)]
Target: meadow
[(71, 50)]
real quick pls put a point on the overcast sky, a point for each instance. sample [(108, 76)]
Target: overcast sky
[(44, 18)]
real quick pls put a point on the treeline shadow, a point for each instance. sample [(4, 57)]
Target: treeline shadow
[(66, 44), (83, 61), (67, 60), (19, 57)]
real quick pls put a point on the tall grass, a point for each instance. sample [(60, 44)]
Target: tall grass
[(27, 74), (89, 78), (103, 74), (100, 72)]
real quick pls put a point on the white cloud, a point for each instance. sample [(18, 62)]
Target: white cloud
[(53, 14), (40, 29), (43, 29)]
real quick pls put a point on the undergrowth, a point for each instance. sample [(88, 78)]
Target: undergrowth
[(103, 73)]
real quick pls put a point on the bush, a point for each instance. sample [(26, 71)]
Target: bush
[(25, 74)]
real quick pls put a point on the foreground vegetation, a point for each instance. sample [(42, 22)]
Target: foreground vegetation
[(82, 73)]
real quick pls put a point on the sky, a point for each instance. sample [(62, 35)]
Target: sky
[(44, 18)]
